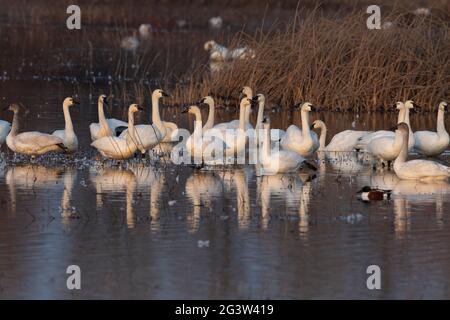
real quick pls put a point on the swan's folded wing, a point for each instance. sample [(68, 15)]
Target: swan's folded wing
[(59, 133), (36, 140), (113, 123), (425, 137), (423, 168)]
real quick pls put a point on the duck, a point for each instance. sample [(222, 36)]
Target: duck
[(418, 169), (403, 116), (431, 143), (302, 140), (5, 127), (150, 135), (211, 114), (105, 127), (31, 143), (205, 147), (343, 141), (281, 161), (368, 194), (68, 135), (118, 148)]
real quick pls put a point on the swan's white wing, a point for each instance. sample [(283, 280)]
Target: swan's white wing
[(5, 127), (171, 132), (114, 123), (364, 140), (147, 136), (35, 140), (59, 133), (345, 140), (425, 138), (416, 169)]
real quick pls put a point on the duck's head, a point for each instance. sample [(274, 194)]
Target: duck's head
[(103, 99), (209, 45), (135, 108), (443, 106), (207, 100), (159, 93), (69, 101), (365, 189), (307, 106)]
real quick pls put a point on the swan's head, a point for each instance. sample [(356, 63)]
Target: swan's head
[(399, 105), (259, 98), (410, 104), (443, 106), (103, 99), (14, 107), (307, 106), (191, 110), (403, 128), (246, 102), (318, 124), (159, 93), (69, 101), (208, 100), (209, 45), (135, 108), (247, 91)]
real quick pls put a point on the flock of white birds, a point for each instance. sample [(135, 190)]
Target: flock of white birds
[(120, 140)]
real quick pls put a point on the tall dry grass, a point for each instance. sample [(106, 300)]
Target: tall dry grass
[(338, 63)]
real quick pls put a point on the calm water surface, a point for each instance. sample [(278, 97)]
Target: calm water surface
[(156, 230)]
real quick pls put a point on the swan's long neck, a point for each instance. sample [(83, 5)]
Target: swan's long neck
[(248, 111), (305, 123), (131, 138), (156, 119), (266, 145), (401, 115), (15, 125), (259, 119), (67, 119), (210, 121), (198, 124), (402, 139), (440, 123), (323, 136), (101, 116), (242, 116)]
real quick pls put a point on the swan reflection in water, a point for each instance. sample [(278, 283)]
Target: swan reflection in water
[(34, 177), (295, 189), (408, 192)]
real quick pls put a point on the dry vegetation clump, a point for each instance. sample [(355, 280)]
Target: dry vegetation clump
[(339, 64)]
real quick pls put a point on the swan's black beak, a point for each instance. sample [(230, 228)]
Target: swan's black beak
[(185, 110), (164, 94), (446, 108), (75, 101), (311, 127), (140, 108), (265, 120), (297, 105), (313, 109), (255, 99)]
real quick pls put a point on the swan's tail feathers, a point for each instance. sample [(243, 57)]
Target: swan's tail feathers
[(63, 147), (118, 130), (310, 165)]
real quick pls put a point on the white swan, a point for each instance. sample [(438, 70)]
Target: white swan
[(31, 143), (431, 143), (344, 141), (235, 139), (282, 161), (416, 169), (104, 127), (275, 134), (150, 135), (235, 124), (301, 140), (67, 135), (116, 147), (203, 147), (211, 114), (5, 127), (403, 116)]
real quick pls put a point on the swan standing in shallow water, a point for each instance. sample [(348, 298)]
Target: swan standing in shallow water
[(403, 116), (67, 135), (150, 135), (5, 127), (31, 143), (282, 161), (300, 140), (416, 169), (105, 127), (344, 141), (274, 133), (116, 147), (431, 143)]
